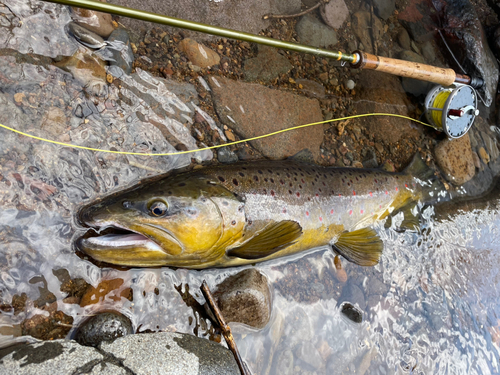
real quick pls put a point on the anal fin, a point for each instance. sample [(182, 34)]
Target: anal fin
[(271, 239), (362, 246)]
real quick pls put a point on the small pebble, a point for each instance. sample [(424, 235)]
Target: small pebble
[(106, 326), (350, 84)]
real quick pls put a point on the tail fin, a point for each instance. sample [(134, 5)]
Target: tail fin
[(433, 189)]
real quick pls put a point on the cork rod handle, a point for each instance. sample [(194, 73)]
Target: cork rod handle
[(423, 72)]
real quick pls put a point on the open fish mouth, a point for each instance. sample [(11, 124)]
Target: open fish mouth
[(114, 236)]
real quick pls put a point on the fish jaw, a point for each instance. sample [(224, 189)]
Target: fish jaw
[(134, 248)]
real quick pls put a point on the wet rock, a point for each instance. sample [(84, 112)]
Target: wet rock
[(226, 156), (54, 121), (384, 8), (245, 298), (237, 15), (88, 69), (159, 353), (428, 52), (258, 110), (198, 54), (370, 158), (351, 312), (110, 289), (307, 353), (404, 39), (284, 363), (47, 358), (311, 88), (120, 51), (361, 25), (85, 36), (97, 22), (416, 19), (410, 85), (172, 353), (353, 294), (334, 13), (378, 92), (312, 31), (454, 157), (106, 326), (52, 324), (491, 145), (268, 65), (484, 155)]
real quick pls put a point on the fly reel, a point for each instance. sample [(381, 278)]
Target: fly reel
[(451, 109)]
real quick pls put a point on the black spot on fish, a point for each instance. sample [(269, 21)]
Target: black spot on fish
[(256, 178), (241, 174), (221, 179), (288, 175), (324, 183), (300, 186), (282, 182), (169, 192), (265, 179), (295, 178), (291, 185), (181, 184), (235, 182), (244, 168), (270, 171), (265, 192), (272, 180), (290, 192), (260, 172)]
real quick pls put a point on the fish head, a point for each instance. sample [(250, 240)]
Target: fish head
[(174, 222)]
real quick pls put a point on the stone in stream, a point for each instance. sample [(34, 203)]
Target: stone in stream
[(454, 157), (334, 13), (155, 353), (97, 22), (384, 8), (313, 32), (85, 36), (106, 326), (245, 298), (119, 52), (362, 27), (252, 110), (199, 54), (268, 65)]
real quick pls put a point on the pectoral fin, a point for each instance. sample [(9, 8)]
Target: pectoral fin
[(362, 246), (410, 221), (271, 239)]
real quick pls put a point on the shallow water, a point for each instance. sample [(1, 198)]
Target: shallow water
[(430, 306)]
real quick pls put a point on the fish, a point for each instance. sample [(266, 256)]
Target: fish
[(248, 212)]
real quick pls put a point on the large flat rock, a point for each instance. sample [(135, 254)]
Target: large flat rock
[(163, 353), (239, 15), (253, 110)]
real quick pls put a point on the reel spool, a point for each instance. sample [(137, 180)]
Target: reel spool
[(451, 109)]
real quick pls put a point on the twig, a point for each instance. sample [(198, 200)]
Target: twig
[(226, 331), (320, 2)]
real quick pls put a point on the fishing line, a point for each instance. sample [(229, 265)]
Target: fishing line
[(210, 147)]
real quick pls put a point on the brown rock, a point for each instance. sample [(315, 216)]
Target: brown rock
[(311, 88), (455, 158), (268, 65), (245, 298), (382, 93), (112, 288), (198, 54), (85, 67), (258, 110), (334, 13), (98, 22), (54, 121), (362, 28), (484, 155)]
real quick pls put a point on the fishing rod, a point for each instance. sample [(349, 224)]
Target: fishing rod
[(451, 107)]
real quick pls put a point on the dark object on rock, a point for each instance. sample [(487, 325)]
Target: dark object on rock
[(245, 298), (119, 52), (106, 326), (351, 312), (268, 65), (226, 156)]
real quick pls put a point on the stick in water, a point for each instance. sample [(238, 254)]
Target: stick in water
[(226, 331)]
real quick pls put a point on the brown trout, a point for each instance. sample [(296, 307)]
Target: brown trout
[(244, 213)]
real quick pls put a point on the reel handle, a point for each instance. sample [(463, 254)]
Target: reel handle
[(423, 72)]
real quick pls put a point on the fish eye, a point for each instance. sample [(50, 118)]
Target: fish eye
[(126, 204), (158, 208)]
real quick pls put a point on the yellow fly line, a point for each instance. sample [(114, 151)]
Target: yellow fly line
[(211, 147)]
